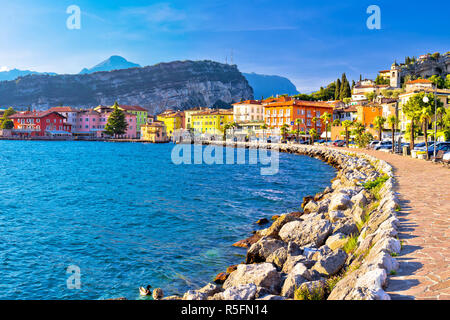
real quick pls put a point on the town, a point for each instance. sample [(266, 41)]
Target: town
[(378, 112)]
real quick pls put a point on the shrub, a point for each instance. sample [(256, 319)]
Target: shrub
[(314, 293), (352, 244)]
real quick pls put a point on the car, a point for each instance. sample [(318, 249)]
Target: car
[(372, 144), (339, 143), (381, 144), (422, 146), (440, 146), (446, 157)]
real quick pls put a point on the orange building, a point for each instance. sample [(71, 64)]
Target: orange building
[(287, 110), (366, 115)]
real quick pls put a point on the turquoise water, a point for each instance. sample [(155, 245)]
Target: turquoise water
[(127, 216)]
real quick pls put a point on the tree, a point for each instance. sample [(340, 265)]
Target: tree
[(314, 120), (346, 92), (326, 117), (437, 81), (362, 139), (424, 116), (8, 112), (264, 127), (447, 81), (378, 123), (7, 124), (392, 122), (413, 108), (298, 121), (117, 124), (370, 96), (337, 92), (284, 129), (337, 123), (347, 124), (313, 134)]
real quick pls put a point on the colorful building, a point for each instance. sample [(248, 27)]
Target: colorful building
[(288, 111), (212, 121), (140, 113), (188, 117), (248, 111), (154, 132), (91, 123), (40, 124), (172, 120), (366, 115), (69, 113)]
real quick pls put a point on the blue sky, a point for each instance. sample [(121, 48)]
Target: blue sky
[(310, 42)]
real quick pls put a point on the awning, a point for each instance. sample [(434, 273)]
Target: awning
[(57, 132)]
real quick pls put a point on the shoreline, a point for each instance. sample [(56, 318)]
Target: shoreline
[(281, 259)]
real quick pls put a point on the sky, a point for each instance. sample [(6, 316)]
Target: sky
[(310, 42)]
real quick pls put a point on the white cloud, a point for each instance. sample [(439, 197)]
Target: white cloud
[(4, 68)]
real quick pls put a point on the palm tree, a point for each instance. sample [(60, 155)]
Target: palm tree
[(298, 121), (314, 119), (284, 129), (347, 124), (392, 122), (379, 122), (264, 127), (424, 115), (313, 134), (225, 128), (326, 117)]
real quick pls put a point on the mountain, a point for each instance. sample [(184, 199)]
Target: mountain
[(267, 86), (15, 73), (179, 84), (110, 64)]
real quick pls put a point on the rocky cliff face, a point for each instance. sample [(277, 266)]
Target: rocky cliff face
[(179, 84)]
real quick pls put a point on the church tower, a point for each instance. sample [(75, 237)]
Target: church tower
[(395, 75)]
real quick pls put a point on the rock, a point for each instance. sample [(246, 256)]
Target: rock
[(306, 200), (221, 277), (158, 294), (210, 289), (263, 275), (275, 217), (194, 295), (293, 249), (298, 275), (292, 261), (336, 215), (278, 257), (359, 200), (336, 241), (262, 249), (262, 221), (271, 297), (314, 231), (274, 229), (330, 263), (241, 292), (346, 226), (374, 280), (247, 243), (172, 298), (358, 214), (340, 201), (232, 268), (312, 206)]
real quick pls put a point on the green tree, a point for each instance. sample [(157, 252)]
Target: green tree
[(284, 129), (117, 124), (424, 116), (298, 121), (437, 81), (313, 134), (337, 123), (337, 92), (326, 117), (264, 127), (8, 112), (392, 122), (346, 91), (378, 123), (447, 81), (7, 124), (347, 124), (370, 96)]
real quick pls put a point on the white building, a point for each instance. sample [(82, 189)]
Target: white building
[(248, 111)]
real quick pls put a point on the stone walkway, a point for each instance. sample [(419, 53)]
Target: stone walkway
[(424, 191)]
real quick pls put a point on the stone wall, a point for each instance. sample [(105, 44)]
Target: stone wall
[(341, 247)]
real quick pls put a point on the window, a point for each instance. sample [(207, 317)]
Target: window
[(317, 113)]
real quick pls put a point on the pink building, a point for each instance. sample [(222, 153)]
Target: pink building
[(92, 122)]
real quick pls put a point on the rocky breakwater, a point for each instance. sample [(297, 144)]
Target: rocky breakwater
[(341, 247)]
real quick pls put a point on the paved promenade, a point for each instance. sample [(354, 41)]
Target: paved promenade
[(424, 192)]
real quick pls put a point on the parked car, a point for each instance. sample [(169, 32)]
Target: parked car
[(381, 144), (446, 157), (422, 146), (372, 144), (440, 146)]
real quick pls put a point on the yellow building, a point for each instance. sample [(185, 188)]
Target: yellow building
[(154, 132), (211, 121), (172, 120), (188, 123)]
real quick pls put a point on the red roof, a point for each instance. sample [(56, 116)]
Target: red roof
[(247, 102), (33, 114), (419, 81), (132, 108), (63, 109)]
